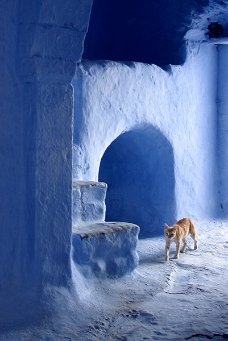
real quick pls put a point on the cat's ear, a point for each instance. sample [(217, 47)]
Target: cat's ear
[(166, 226)]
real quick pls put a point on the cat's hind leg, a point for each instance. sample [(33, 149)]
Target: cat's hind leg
[(195, 238), (195, 243), (193, 234), (184, 247)]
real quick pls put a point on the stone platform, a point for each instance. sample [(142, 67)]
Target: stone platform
[(105, 249)]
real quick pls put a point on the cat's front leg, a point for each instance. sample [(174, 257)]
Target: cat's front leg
[(177, 249), (167, 247)]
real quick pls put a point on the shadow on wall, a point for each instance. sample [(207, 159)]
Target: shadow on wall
[(145, 31), (139, 169)]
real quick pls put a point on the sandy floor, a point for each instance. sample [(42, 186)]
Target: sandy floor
[(185, 299)]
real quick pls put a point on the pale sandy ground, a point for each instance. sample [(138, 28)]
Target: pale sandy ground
[(185, 299)]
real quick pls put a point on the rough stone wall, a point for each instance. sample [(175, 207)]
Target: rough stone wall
[(14, 244)]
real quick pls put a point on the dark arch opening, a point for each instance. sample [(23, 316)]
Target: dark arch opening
[(139, 169)]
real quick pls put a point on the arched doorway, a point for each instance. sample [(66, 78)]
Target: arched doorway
[(139, 169)]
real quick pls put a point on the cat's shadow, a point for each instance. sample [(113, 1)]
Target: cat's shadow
[(159, 258), (187, 251)]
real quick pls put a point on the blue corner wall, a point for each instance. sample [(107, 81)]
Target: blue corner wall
[(40, 45)]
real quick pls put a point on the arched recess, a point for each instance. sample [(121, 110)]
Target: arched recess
[(139, 169)]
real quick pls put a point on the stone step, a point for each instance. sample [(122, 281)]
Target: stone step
[(105, 249), (88, 201)]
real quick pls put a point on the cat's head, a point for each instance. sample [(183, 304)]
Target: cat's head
[(170, 231)]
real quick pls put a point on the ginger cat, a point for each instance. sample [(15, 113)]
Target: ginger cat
[(178, 233)]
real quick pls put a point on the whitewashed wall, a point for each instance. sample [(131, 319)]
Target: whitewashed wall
[(112, 98)]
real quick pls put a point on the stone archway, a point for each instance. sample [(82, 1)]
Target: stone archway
[(139, 169)]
